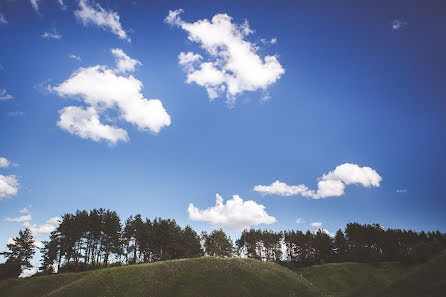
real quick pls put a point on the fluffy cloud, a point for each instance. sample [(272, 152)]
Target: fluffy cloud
[(20, 219), (331, 184), (3, 19), (299, 221), (103, 89), (85, 123), (9, 186), (5, 96), (316, 224), (4, 162), (233, 66), (123, 62), (43, 229), (51, 35), (401, 190), (236, 214), (97, 15)]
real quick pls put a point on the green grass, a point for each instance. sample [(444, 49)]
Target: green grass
[(209, 276), (353, 279), (205, 276), (381, 279)]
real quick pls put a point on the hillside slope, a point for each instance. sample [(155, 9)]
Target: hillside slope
[(427, 280), (381, 279), (206, 276)]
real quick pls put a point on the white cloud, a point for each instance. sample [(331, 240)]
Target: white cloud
[(299, 221), (4, 162), (35, 4), (24, 210), (51, 35), (74, 57), (273, 40), (20, 219), (16, 113), (316, 224), (3, 19), (9, 186), (102, 89), (398, 25), (325, 231), (62, 4), (401, 190), (97, 15), (236, 214), (233, 66), (123, 62), (5, 96), (331, 184), (43, 229), (86, 124)]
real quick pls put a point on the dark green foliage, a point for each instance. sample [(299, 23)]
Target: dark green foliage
[(217, 244), (19, 255)]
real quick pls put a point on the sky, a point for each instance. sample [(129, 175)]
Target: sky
[(233, 114)]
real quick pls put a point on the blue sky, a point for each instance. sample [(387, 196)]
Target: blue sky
[(361, 83)]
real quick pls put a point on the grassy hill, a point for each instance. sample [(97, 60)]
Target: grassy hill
[(209, 276), (381, 279), (206, 276)]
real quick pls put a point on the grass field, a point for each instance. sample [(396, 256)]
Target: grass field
[(209, 276)]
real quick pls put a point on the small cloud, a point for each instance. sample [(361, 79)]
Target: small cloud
[(300, 221), (16, 113), (9, 186), (3, 19), (74, 57), (24, 210), (398, 25), (5, 96), (316, 224), (35, 5), (106, 19), (62, 4), (20, 219), (401, 190), (273, 40), (53, 35)]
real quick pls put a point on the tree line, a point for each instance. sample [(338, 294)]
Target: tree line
[(89, 240)]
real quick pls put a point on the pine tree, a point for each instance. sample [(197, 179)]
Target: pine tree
[(20, 253)]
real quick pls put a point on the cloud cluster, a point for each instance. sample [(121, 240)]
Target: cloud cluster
[(5, 96), (233, 65), (235, 215), (97, 15), (331, 184), (102, 90)]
